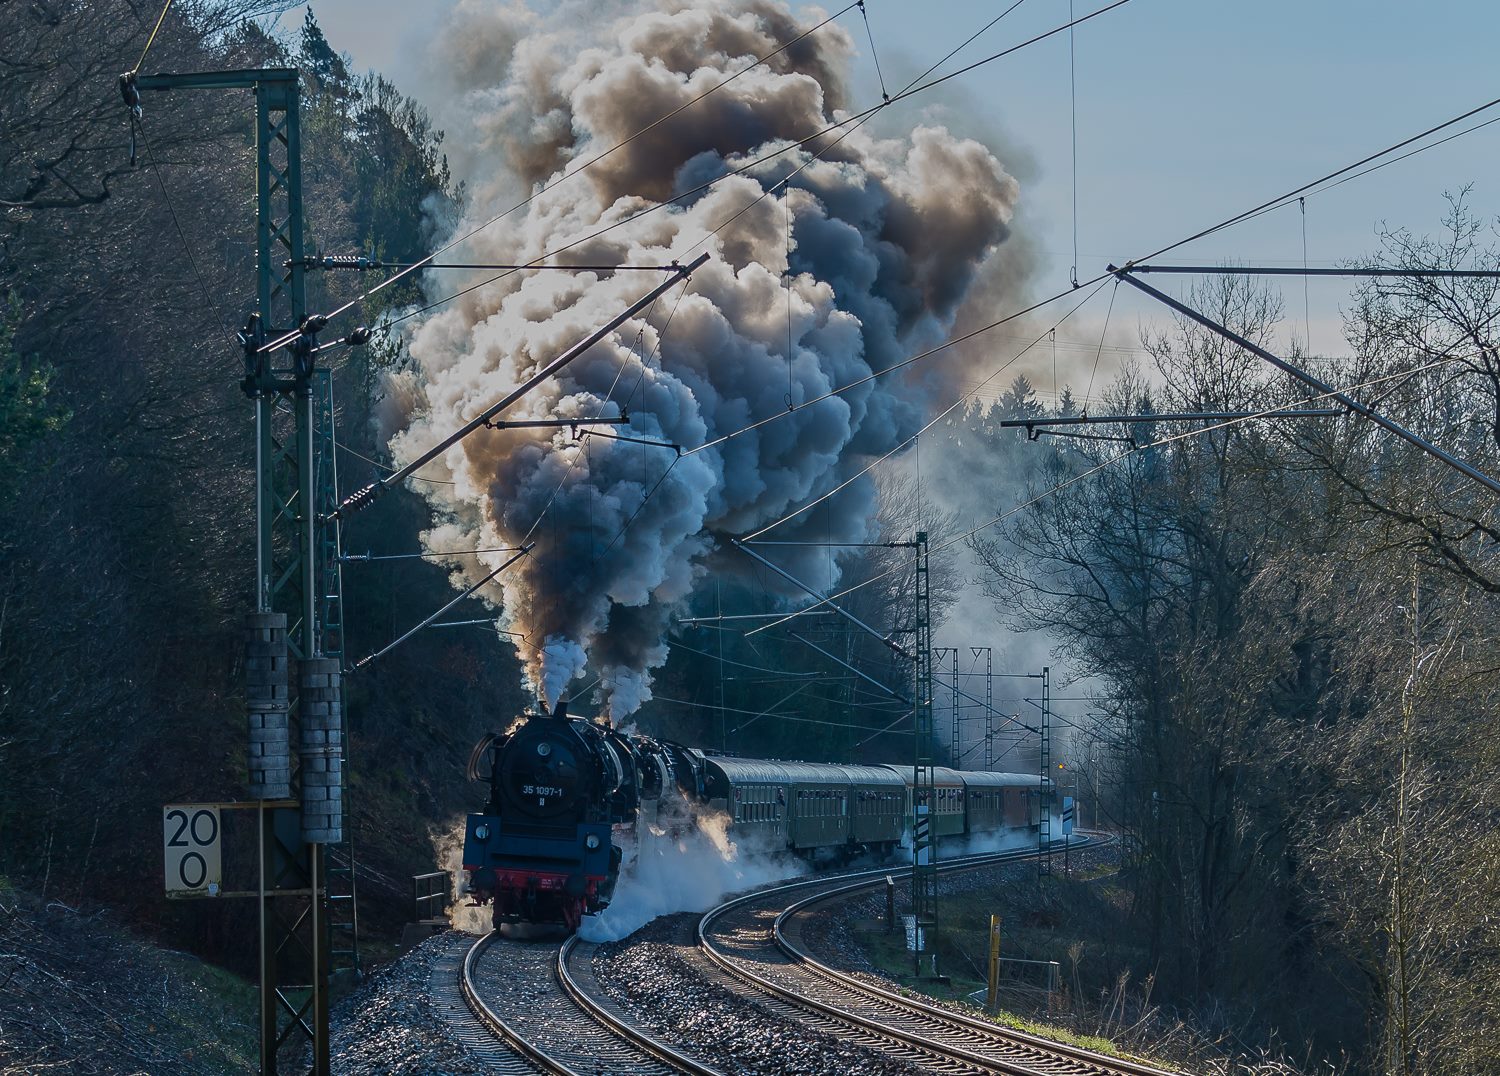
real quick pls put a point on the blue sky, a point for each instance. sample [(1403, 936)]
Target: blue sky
[(1188, 111)]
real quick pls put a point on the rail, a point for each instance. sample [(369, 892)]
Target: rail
[(656, 1048), (577, 1039), (499, 1027), (1041, 1055)]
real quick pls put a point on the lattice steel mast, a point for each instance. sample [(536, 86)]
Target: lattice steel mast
[(1044, 770), (989, 703), (298, 594), (924, 798)]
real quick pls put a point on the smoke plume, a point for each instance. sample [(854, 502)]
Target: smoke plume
[(682, 861), (864, 257)]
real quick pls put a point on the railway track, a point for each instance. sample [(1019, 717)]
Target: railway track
[(756, 939), (540, 1000), (450, 998), (538, 1006)]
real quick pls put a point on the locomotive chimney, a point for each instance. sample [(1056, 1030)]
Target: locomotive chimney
[(560, 711)]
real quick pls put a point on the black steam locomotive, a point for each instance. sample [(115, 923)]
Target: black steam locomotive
[(543, 850)]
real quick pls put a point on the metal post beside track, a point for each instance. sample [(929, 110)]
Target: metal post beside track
[(1044, 771), (992, 997), (923, 792), (293, 916)]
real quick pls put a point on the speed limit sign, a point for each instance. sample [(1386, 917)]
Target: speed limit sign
[(190, 840)]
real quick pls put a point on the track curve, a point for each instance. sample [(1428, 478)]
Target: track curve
[(756, 939), (533, 997)]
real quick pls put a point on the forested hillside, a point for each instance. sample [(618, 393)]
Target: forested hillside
[(1297, 622), (1292, 624), (126, 544), (126, 548)]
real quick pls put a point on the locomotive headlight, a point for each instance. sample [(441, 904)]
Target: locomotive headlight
[(544, 749), (591, 842), (481, 832)]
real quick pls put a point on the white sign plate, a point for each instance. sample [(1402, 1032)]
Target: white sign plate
[(190, 840)]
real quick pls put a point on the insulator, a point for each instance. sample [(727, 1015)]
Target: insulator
[(320, 724), (268, 755)]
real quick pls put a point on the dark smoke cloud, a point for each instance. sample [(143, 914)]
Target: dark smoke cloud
[(887, 237)]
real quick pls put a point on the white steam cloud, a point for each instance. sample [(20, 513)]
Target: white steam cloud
[(863, 260), (684, 861)]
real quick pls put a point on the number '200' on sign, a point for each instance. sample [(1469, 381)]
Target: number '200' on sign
[(190, 846)]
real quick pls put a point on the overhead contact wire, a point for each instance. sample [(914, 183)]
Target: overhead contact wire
[(830, 599), (1073, 103), (388, 468), (1099, 353), (968, 394), (856, 118), (873, 54), (566, 176), (660, 339), (784, 185), (1229, 222), (151, 40), (208, 299), (1290, 195)]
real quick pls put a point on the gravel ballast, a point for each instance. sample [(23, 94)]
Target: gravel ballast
[(650, 977)]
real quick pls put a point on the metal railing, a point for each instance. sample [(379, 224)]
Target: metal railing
[(429, 896)]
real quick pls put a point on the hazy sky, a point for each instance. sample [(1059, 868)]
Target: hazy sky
[(1188, 112)]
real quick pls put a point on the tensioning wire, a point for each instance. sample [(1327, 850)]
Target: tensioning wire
[(856, 118), (1090, 472), (545, 189)]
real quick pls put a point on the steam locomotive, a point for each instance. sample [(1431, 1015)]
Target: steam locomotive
[(543, 850)]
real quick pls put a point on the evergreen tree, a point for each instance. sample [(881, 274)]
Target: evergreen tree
[(1019, 400), (327, 72)]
